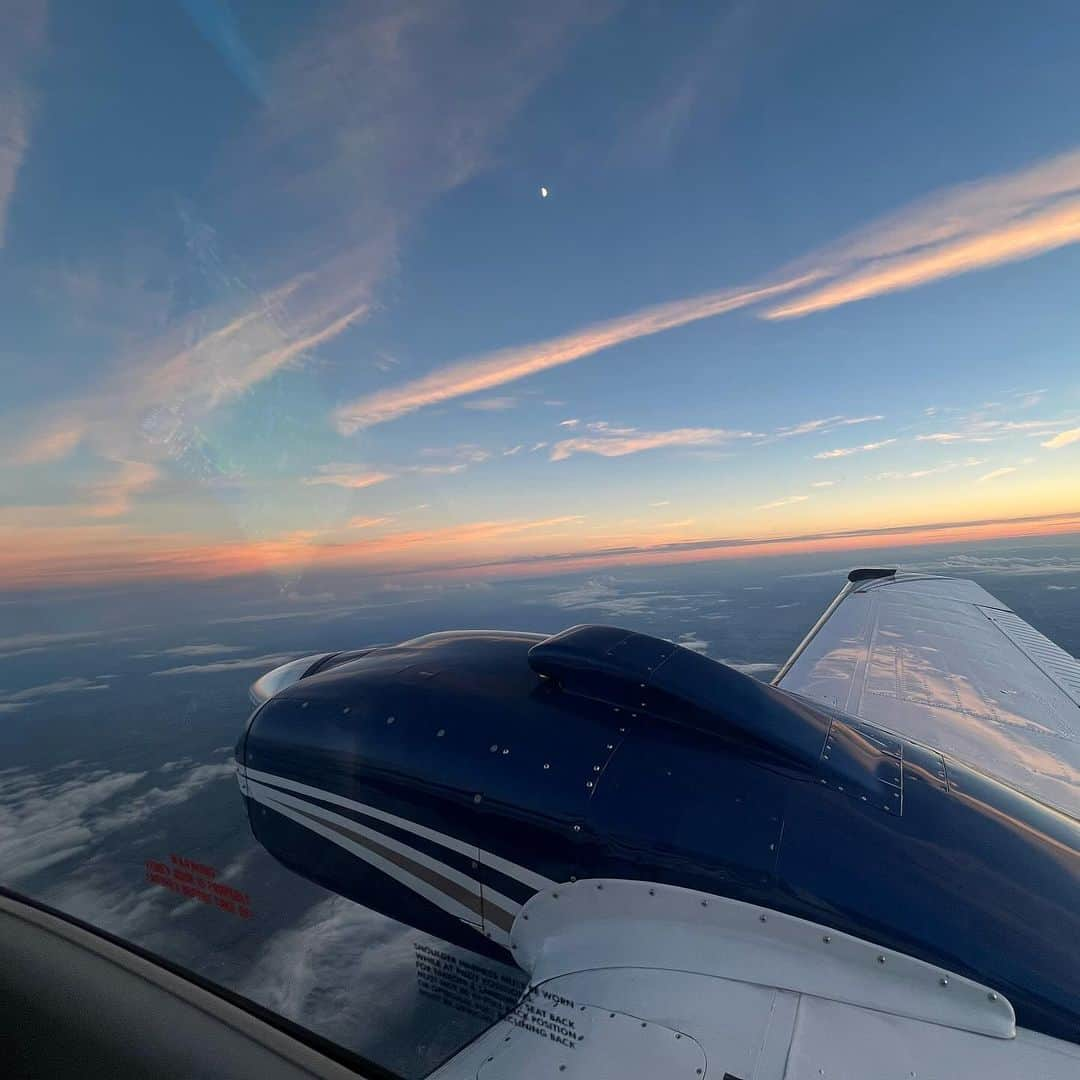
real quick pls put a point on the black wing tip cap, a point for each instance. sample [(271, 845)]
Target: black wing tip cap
[(870, 573)]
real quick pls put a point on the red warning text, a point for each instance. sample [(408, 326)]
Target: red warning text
[(196, 881)]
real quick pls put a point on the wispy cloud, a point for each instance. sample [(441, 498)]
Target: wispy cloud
[(822, 483), (69, 811), (209, 648), (19, 699), (788, 501), (960, 230), (1063, 438), (970, 227), (1028, 399), (267, 662), (847, 451), (368, 522), (113, 497), (935, 470), (758, 667), (821, 426), (997, 473), (978, 427), (341, 180), (617, 442), (951, 436), (346, 475), (22, 33), (508, 365)]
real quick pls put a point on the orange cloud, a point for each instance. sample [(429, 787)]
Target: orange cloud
[(50, 444), (1063, 438), (789, 501), (847, 451), (1039, 233), (367, 522), (347, 475), (960, 230), (622, 441), (508, 365), (112, 497), (996, 474)]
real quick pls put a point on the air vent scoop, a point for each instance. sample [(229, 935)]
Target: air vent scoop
[(664, 681)]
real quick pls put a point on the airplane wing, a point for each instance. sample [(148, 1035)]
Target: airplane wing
[(631, 980), (941, 661)]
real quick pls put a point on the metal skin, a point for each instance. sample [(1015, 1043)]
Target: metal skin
[(607, 754)]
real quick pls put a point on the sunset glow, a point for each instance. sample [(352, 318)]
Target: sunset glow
[(256, 374)]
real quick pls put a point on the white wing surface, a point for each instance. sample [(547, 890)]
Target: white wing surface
[(941, 661)]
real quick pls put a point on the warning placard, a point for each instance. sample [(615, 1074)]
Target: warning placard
[(196, 881), (487, 993)]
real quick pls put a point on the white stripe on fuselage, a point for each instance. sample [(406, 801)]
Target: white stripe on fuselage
[(418, 885), (270, 796), (520, 873)]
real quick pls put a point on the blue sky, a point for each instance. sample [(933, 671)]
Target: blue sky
[(280, 288)]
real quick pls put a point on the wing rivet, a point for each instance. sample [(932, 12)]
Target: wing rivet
[(599, 886), (652, 892), (477, 798), (577, 828), (440, 733), (704, 903), (596, 768), (827, 938), (944, 980), (881, 958), (547, 764), (992, 996), (763, 917)]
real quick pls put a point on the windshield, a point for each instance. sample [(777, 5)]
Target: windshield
[(327, 326)]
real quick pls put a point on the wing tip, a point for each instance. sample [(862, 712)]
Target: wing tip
[(870, 573)]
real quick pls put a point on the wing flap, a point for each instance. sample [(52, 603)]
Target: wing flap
[(942, 661)]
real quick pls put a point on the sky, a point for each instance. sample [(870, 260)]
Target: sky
[(455, 288)]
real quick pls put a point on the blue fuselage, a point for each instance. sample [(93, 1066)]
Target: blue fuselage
[(444, 780)]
